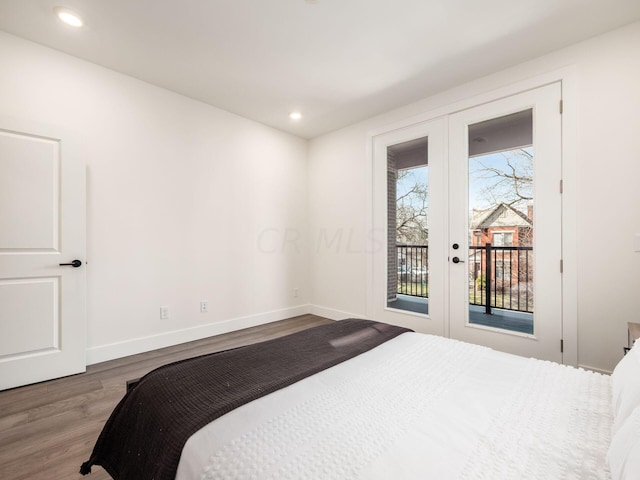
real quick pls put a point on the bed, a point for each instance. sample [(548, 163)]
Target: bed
[(362, 399)]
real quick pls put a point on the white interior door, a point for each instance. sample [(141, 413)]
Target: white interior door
[(409, 251), (505, 224), (42, 225)]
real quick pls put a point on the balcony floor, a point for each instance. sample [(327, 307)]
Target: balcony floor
[(506, 319), (410, 304)]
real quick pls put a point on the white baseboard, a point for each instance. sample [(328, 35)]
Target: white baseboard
[(331, 313), (112, 351)]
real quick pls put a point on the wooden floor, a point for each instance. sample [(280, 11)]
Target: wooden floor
[(47, 430)]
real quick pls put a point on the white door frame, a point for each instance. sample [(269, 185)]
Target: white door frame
[(477, 94)]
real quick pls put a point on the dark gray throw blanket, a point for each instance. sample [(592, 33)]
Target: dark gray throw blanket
[(144, 437)]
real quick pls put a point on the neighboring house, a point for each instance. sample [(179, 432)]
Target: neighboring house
[(501, 226), (506, 235)]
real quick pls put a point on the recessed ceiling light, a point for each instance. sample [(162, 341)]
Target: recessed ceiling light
[(68, 17), (295, 115)]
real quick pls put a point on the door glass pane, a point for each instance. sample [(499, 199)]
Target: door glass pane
[(501, 207), (408, 233)]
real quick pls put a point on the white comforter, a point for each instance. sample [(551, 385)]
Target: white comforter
[(416, 407)]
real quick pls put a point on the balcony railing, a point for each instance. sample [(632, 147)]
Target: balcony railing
[(413, 261), (499, 277)]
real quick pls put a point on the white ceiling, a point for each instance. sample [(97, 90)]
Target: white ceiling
[(336, 61)]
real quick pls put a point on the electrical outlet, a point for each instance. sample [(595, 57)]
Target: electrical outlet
[(295, 292), (204, 306), (164, 313)]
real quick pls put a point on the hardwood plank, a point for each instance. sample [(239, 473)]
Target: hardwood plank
[(38, 398), (83, 401), (19, 395), (14, 420), (21, 437), (65, 451), (48, 429)]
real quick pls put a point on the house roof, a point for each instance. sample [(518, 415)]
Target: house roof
[(502, 215)]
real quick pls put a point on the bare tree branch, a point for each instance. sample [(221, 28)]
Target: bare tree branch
[(512, 183), (411, 209)]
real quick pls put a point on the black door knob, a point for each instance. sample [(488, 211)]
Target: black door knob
[(457, 260), (74, 264)]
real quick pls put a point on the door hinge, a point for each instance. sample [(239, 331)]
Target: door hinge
[(561, 346), (561, 107), (561, 265), (561, 187)]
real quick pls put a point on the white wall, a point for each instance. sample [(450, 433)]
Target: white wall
[(185, 202), (607, 74)]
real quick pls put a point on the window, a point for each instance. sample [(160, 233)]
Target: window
[(503, 239), (408, 232)]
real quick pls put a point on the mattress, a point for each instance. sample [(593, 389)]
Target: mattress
[(417, 406)]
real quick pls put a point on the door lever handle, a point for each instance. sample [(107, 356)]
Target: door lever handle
[(74, 264), (457, 260)]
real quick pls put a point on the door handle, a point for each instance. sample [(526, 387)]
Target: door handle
[(74, 264), (457, 260)]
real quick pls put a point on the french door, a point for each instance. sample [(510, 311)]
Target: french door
[(505, 248), (409, 227), (483, 264)]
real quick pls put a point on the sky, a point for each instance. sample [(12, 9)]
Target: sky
[(418, 174), (476, 181)]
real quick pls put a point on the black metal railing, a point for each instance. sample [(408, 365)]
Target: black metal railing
[(413, 278), (499, 277)]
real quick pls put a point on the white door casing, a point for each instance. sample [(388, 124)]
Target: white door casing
[(42, 224)]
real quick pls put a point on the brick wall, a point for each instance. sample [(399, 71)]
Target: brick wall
[(392, 256)]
